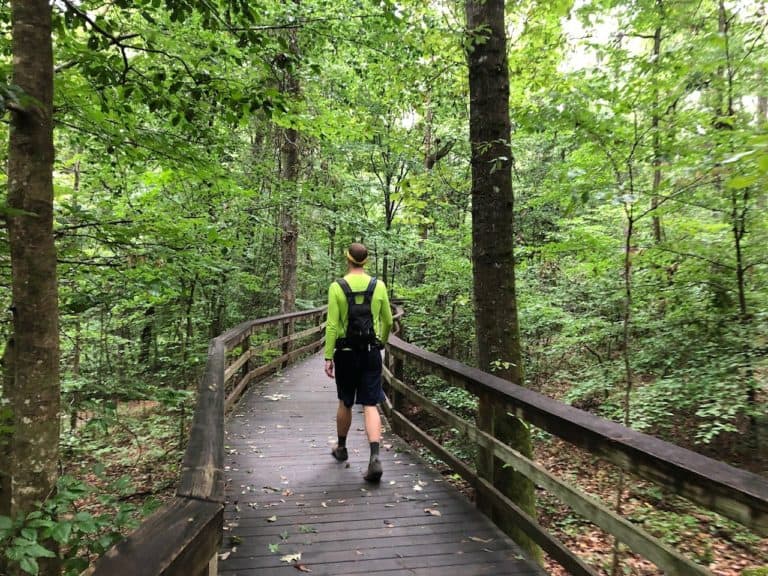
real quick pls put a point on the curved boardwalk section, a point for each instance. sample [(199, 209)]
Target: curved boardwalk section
[(292, 508)]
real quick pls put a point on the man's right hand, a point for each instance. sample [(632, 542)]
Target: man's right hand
[(329, 368)]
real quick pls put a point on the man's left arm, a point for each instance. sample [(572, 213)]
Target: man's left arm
[(385, 315)]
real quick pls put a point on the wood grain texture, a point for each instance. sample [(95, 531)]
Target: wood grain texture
[(201, 475)]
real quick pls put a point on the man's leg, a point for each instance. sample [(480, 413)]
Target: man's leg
[(343, 419), (343, 422), (372, 423), (373, 431)]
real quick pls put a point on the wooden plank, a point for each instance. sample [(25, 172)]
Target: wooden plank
[(672, 562), (551, 545), (279, 464), (178, 540), (234, 336), (290, 338), (201, 475), (238, 363), (265, 370), (734, 493)]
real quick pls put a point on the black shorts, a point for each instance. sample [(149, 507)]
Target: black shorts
[(358, 376)]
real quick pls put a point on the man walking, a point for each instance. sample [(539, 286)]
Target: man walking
[(358, 325)]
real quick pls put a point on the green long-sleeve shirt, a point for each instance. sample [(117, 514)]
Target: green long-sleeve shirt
[(336, 326)]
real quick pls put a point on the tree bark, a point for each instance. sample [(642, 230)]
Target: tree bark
[(32, 388), (497, 331), (658, 232), (289, 173)]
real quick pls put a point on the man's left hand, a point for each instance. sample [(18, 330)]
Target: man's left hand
[(329, 368)]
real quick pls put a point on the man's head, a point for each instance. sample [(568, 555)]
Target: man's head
[(357, 255)]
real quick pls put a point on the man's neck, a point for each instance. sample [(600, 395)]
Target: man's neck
[(355, 270)]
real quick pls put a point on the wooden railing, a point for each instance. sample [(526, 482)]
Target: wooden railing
[(729, 491), (183, 537)]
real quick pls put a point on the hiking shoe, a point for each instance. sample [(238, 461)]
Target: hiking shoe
[(374, 470), (340, 453)]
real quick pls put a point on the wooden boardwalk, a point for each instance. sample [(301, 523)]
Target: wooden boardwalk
[(286, 495)]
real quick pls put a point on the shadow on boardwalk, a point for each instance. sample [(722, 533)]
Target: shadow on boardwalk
[(286, 495)]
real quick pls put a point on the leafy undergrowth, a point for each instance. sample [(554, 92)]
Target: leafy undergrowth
[(118, 466), (125, 465), (724, 547)]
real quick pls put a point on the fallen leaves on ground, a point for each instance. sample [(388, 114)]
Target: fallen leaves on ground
[(291, 558)]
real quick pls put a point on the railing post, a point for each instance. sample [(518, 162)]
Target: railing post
[(494, 418), (397, 400), (320, 334), (213, 567), (484, 462), (286, 329), (246, 347)]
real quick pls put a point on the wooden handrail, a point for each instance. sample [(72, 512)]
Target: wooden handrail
[(734, 493), (183, 537)]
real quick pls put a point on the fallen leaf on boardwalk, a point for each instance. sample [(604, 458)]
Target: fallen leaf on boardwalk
[(224, 556), (389, 505), (270, 489), (388, 524), (432, 511), (422, 483), (307, 529), (276, 397), (272, 519), (235, 540), (291, 558), (359, 553), (284, 535), (323, 504), (274, 548), (392, 482), (302, 568), (481, 540), (288, 492), (387, 447), (418, 488)]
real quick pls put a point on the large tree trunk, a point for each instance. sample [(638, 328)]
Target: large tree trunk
[(498, 337), (289, 173), (33, 386)]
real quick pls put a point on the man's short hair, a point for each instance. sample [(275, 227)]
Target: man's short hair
[(358, 254)]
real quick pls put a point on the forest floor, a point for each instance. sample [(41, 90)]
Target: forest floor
[(721, 545), (125, 463)]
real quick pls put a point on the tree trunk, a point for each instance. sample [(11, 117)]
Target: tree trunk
[(33, 386), (498, 338), (658, 232), (289, 173), (145, 350)]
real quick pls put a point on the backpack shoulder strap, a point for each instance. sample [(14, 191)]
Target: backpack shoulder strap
[(344, 286), (370, 289)]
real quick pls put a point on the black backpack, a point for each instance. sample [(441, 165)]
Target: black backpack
[(360, 333)]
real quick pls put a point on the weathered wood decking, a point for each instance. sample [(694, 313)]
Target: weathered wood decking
[(283, 487)]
